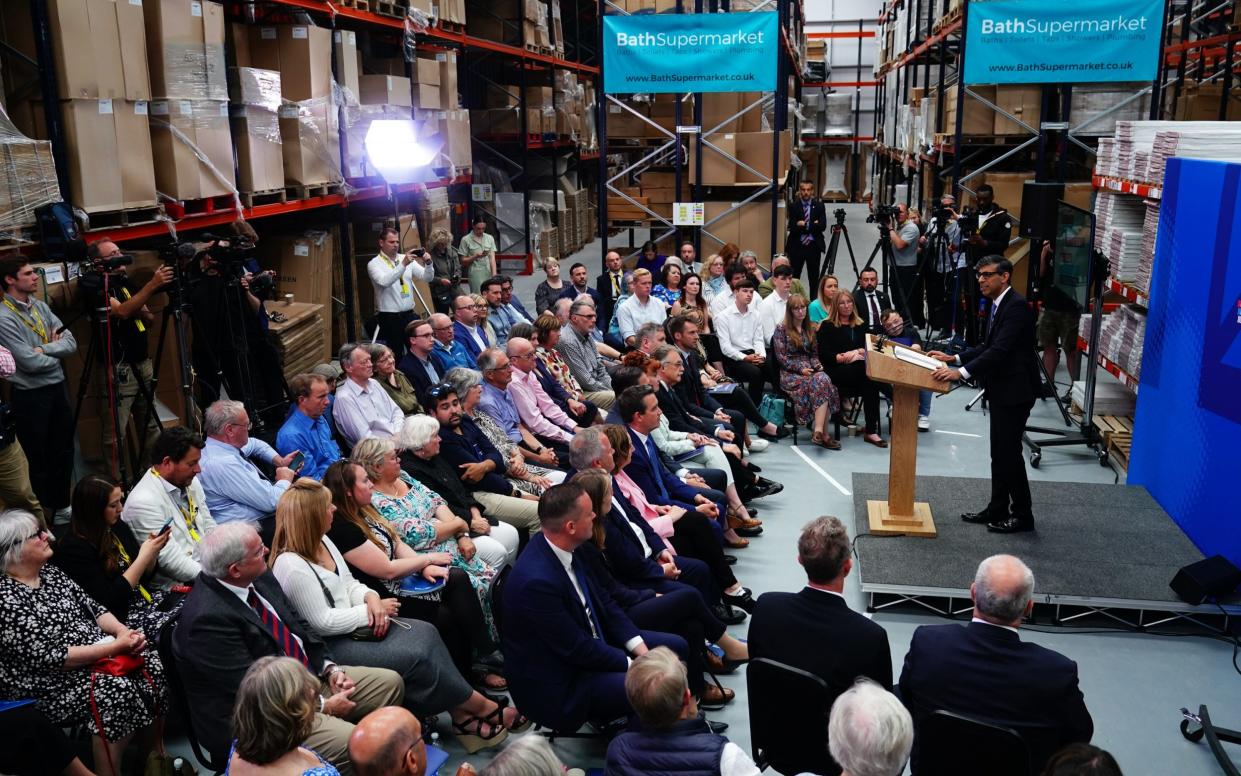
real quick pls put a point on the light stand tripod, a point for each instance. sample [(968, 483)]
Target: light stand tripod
[(174, 315), (838, 230)]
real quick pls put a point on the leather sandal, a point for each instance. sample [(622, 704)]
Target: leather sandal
[(469, 733), (716, 697)]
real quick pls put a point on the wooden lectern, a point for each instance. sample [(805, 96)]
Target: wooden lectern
[(899, 514)]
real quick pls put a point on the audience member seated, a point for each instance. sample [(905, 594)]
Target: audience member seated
[(417, 364), (814, 629), (576, 344), (714, 279), (479, 465), (668, 289), (53, 636), (448, 353), (549, 290), (771, 308), (381, 560), (692, 299), (500, 314), (358, 626), (984, 669), (689, 532), (802, 378), (498, 403), (466, 331), (236, 614), (481, 312), (530, 478), (1082, 760), (333, 374), (821, 307), (898, 332), (579, 286), (639, 308), (538, 412), (308, 428), (392, 380), (235, 488), (749, 260), (169, 495), (362, 408), (869, 732), (649, 336), (583, 407), (388, 742), (766, 287), (34, 746), (735, 273), (740, 330), (670, 735), (567, 644), (103, 557), (679, 609), (527, 756), (842, 352), (512, 303), (274, 715)]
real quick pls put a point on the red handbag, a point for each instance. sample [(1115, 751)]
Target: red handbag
[(118, 665)]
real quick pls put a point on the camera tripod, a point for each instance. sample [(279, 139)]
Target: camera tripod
[(838, 230)]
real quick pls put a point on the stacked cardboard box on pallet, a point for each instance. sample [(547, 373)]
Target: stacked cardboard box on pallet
[(512, 22), (254, 113), (27, 179)]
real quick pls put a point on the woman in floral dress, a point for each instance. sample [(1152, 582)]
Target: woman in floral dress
[(801, 375)]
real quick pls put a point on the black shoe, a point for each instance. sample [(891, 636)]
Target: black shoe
[(716, 727), (753, 467), (1046, 391), (753, 512), (781, 433), (755, 531), (982, 516), (764, 487), (744, 601), (728, 615), (730, 560), (1012, 524)]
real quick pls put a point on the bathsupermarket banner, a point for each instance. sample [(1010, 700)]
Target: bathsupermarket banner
[(715, 52), (1040, 42)]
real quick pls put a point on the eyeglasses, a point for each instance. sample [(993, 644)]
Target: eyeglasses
[(248, 424), (984, 274), (443, 328), (500, 368), (19, 542), (420, 336), (586, 316), (438, 392), (479, 306)]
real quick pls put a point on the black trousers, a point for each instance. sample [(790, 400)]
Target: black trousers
[(749, 375), (851, 381), (392, 331), (739, 402), (805, 255), (45, 428), (683, 612), (33, 745), (1009, 483), (693, 536), (458, 616), (695, 574)]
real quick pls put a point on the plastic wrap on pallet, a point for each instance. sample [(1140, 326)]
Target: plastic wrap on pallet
[(317, 129), (195, 71), (27, 179), (198, 127), (1092, 103), (417, 22), (254, 86), (838, 113)]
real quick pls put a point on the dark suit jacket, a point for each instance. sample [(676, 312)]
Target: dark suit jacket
[(624, 552), (218, 637), (815, 228), (473, 446), (570, 292), (1005, 362), (607, 302), (679, 417), (986, 671), (644, 471), (695, 398), (995, 232), (438, 475), (547, 639), (864, 311), (419, 377)]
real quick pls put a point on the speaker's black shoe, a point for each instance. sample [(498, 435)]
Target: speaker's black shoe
[(982, 516), (1012, 524), (728, 615)]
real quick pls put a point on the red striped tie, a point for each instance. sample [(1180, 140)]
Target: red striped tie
[(289, 645)]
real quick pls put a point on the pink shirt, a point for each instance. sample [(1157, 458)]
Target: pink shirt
[(7, 365), (537, 410), (634, 495)]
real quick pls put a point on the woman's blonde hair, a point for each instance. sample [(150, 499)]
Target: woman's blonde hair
[(833, 316), (824, 300), (299, 520), (798, 335), (275, 709), (439, 235), (370, 453), (479, 299)]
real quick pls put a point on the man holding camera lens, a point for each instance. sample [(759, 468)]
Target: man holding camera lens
[(905, 237), (127, 329), (804, 243), (392, 276)]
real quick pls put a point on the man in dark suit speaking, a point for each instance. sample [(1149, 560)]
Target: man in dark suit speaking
[(567, 644), (1004, 365), (804, 244), (984, 670)]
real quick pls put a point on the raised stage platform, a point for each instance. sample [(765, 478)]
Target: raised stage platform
[(1098, 550)]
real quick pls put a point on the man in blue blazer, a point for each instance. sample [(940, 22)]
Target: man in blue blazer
[(985, 670), (638, 406), (567, 645), (465, 327)]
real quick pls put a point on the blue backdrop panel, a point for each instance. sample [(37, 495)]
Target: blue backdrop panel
[(1187, 430)]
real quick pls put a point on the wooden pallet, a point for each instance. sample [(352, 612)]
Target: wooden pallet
[(270, 197), (18, 236), (450, 26), (389, 9), (112, 219), (1114, 427), (204, 206), (361, 5), (306, 192), (953, 15), (1119, 448)]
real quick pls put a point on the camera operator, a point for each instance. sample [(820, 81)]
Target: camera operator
[(905, 238), (392, 275), (994, 228), (44, 420), (448, 270), (944, 263), (128, 319)]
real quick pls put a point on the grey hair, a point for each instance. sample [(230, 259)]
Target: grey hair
[(869, 732), (1002, 604), (823, 548), (585, 447), (462, 380), (370, 452), (746, 253), (418, 429), (15, 526), (488, 359), (577, 304), (224, 546), (655, 685), (377, 350), (345, 354), (439, 235), (220, 414), (566, 305), (525, 756), (648, 330), (661, 352)]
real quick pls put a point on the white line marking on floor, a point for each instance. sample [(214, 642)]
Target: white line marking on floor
[(958, 433), (822, 473)]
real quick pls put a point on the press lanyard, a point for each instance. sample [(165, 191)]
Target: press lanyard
[(190, 516), (37, 325), (125, 559), (392, 264), (141, 327)]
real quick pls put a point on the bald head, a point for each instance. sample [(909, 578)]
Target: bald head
[(388, 742), (1003, 590), (518, 347)]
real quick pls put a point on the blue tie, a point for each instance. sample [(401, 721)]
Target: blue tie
[(991, 318), (595, 627), (656, 465)]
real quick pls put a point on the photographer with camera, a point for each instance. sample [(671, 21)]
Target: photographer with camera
[(38, 342), (127, 319), (392, 275), (943, 241), (804, 242), (905, 237)]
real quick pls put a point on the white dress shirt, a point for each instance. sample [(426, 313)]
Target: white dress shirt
[(994, 625), (771, 313), (365, 411), (566, 560), (722, 301), (965, 375), (632, 314), (394, 283), (738, 331)]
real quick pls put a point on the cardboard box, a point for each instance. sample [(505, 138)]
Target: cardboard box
[(457, 138), (345, 46), (254, 86), (427, 96), (427, 71), (754, 149), (108, 143), (978, 119), (1200, 102), (99, 47), (717, 170), (752, 119), (27, 180), (747, 226), (449, 99), (185, 49), (496, 96), (310, 143), (260, 158), (302, 54), (303, 265), (717, 108), (1024, 102), (623, 123), (384, 90), (538, 96), (184, 131)]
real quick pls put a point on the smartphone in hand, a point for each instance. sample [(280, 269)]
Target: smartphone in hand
[(167, 527), (299, 460)]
